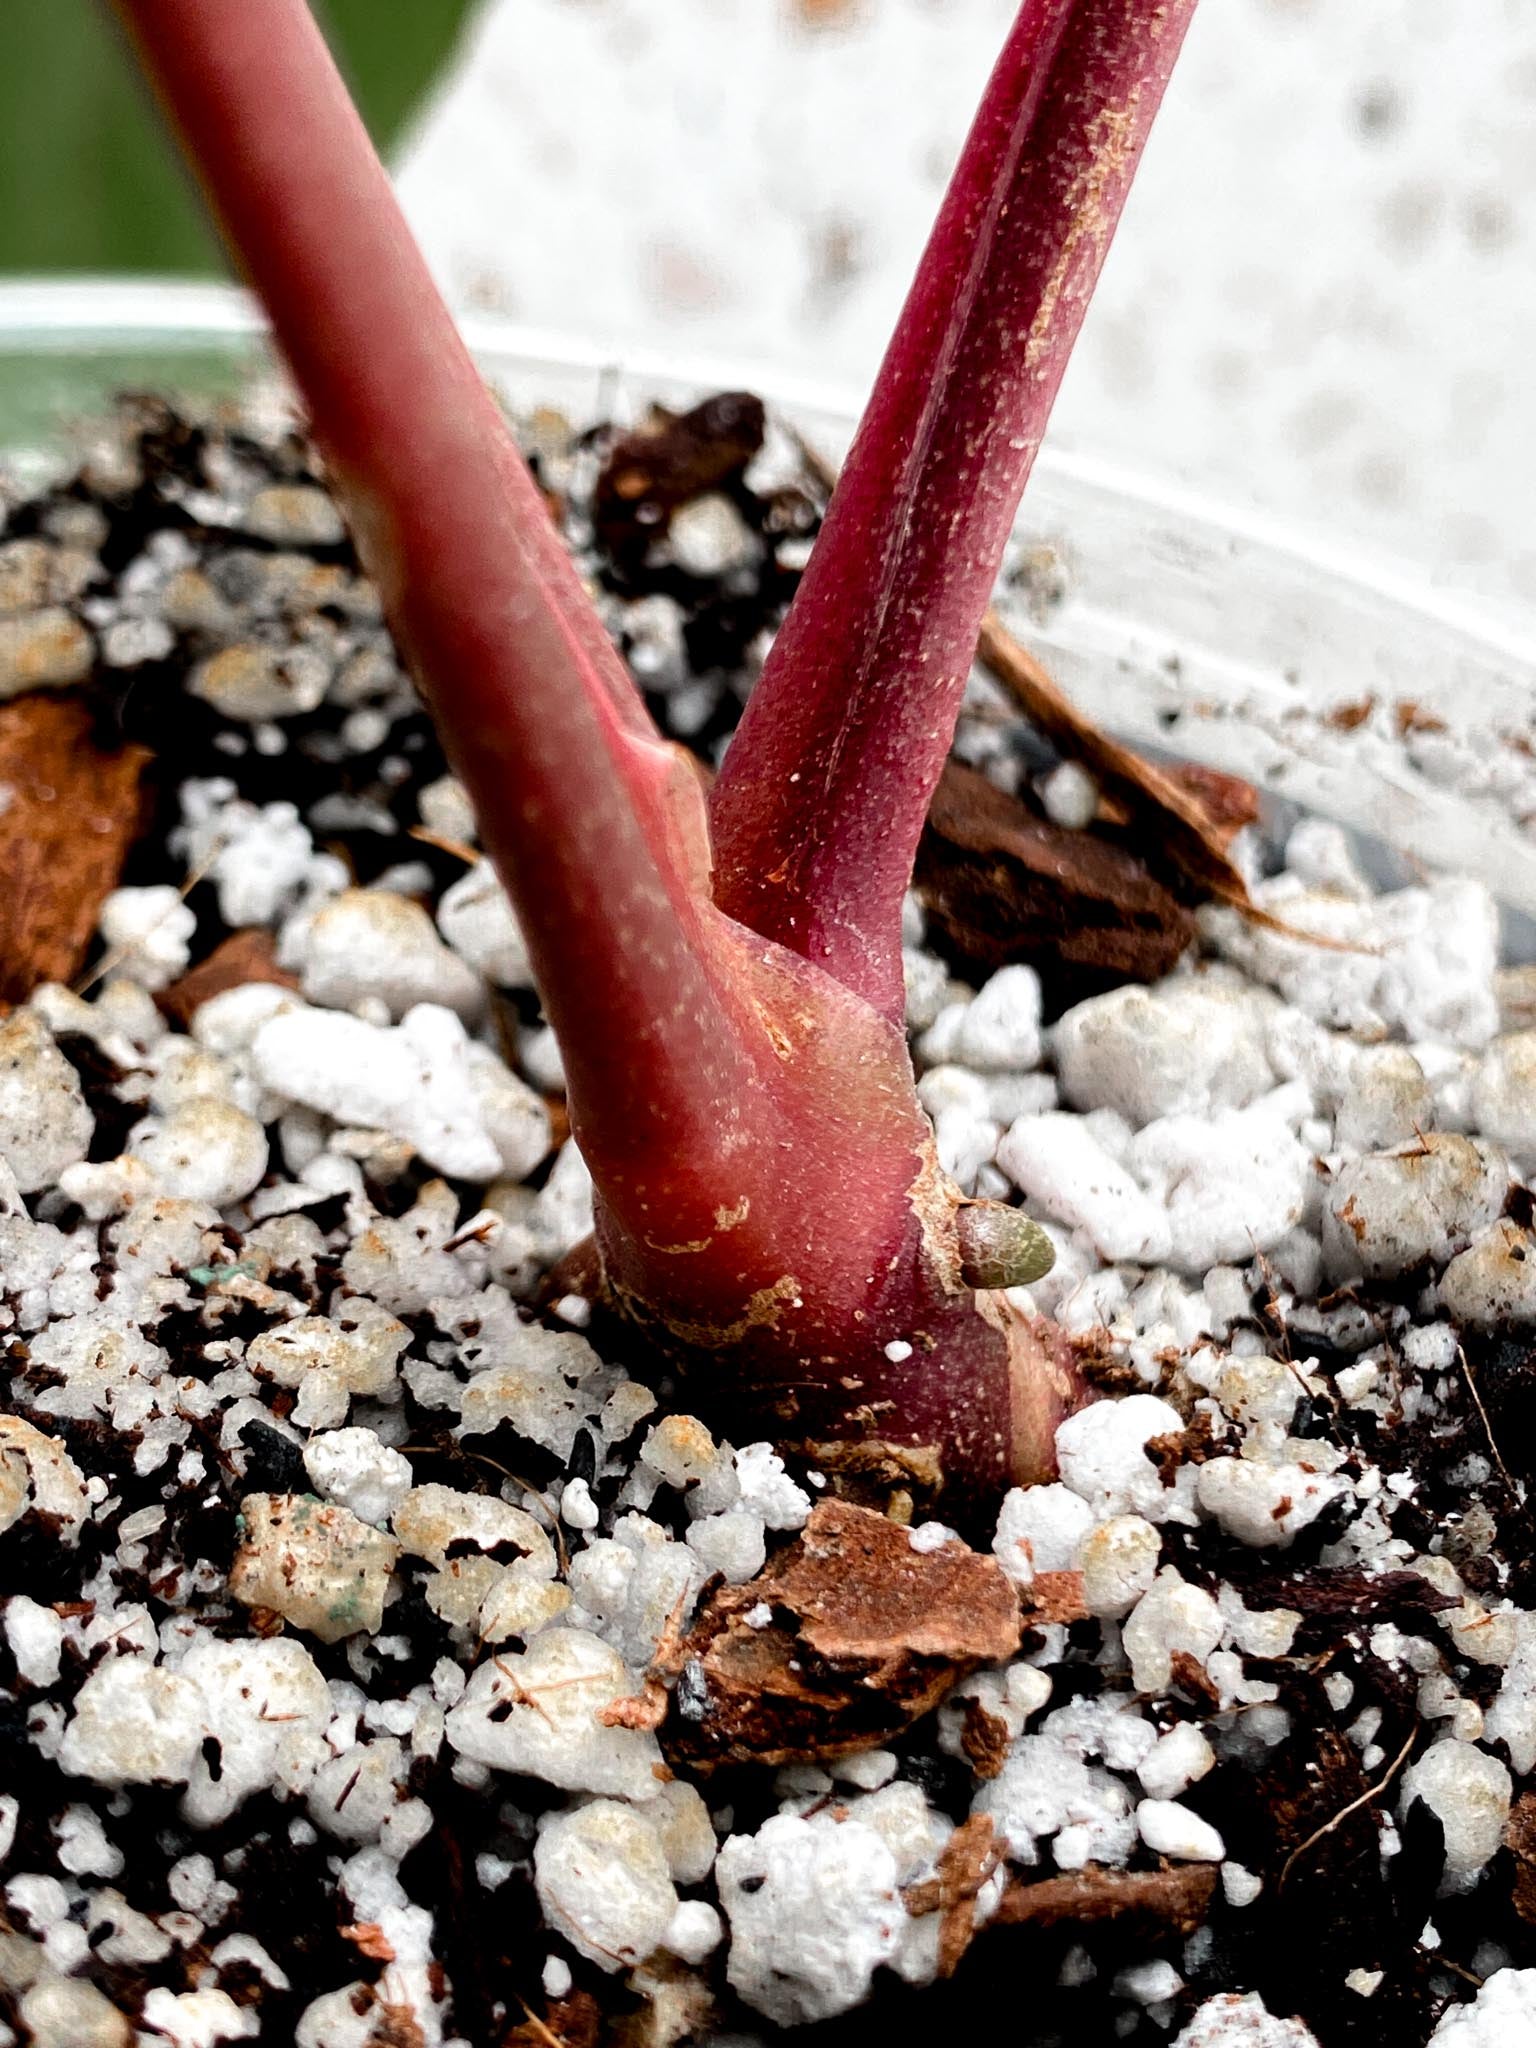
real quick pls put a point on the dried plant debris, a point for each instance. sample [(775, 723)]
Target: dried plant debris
[(71, 810), (854, 1632), (1189, 815), (386, 1660)]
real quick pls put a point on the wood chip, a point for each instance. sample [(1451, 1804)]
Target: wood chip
[(1190, 816), (73, 810), (1146, 1902), (1001, 884), (866, 1635), (244, 956)]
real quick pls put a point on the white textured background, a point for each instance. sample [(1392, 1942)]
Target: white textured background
[(1322, 300)]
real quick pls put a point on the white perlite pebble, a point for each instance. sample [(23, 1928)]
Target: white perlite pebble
[(1242, 2020), (1040, 1529), (731, 1544), (1175, 1761), (1418, 962), (1118, 1562), (206, 1150), (1172, 1830), (1504, 1093), (1063, 1168), (135, 1722), (146, 931), (709, 537), (1512, 1717), (253, 684), (423, 1080), (1230, 1184), (1186, 1047), (69, 2012), (555, 1690), (603, 1882), (1386, 1100), (476, 918), (1387, 1211), (1264, 1505), (354, 1469), (315, 1564), (1174, 1616), (372, 943), (36, 1471), (1047, 1790), (814, 1909), (1468, 1791), (1070, 796), (1000, 1031), (45, 1125), (694, 1931), (331, 1358), (1101, 1454), (36, 1638), (1493, 1282), (199, 2019), (1502, 2015)]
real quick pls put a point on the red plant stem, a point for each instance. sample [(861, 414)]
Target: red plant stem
[(584, 809), (822, 796)]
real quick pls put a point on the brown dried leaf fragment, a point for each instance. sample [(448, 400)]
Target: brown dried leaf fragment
[(671, 458), (1191, 818), (865, 1635), (248, 955), (1001, 883), (397, 2026), (369, 1939), (1146, 1902), (75, 808), (985, 1739)]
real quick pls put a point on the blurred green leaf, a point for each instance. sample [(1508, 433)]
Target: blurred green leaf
[(88, 181)]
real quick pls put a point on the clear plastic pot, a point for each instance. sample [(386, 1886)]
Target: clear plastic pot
[(1335, 683)]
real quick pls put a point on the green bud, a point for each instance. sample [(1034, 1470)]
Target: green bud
[(1001, 1246)]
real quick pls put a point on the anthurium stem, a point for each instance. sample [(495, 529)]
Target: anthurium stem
[(823, 793), (769, 1205)]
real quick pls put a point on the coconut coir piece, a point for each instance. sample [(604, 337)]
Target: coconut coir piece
[(74, 809), (865, 1634)]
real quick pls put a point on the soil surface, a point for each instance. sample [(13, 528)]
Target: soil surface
[(384, 1663)]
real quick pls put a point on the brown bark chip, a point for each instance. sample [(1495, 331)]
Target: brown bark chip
[(1001, 883), (72, 813), (866, 1634), (244, 956)]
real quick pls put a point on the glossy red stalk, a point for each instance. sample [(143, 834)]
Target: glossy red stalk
[(819, 805), (768, 1203)]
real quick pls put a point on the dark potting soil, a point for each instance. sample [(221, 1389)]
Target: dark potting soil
[(235, 1886)]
